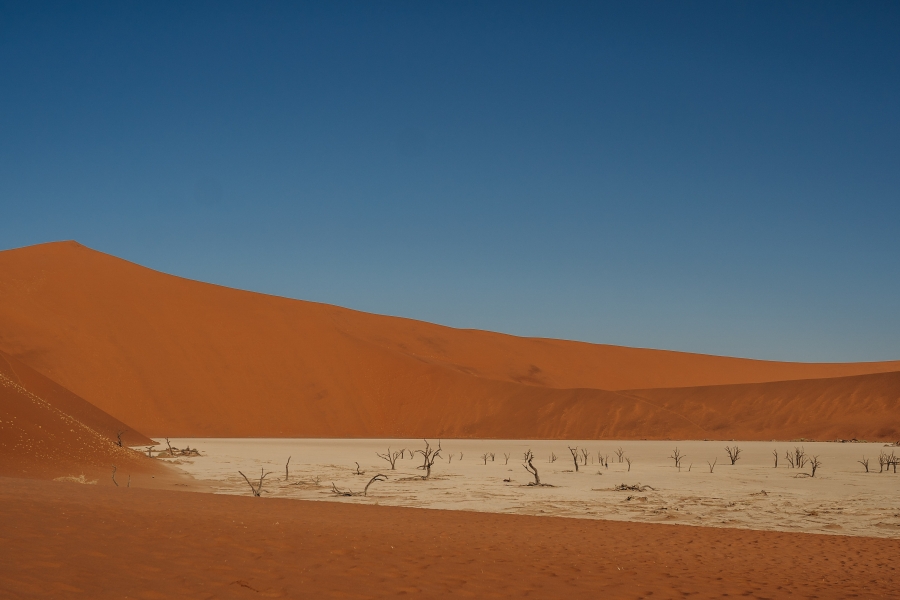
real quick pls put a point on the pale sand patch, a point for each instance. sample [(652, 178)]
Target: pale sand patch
[(841, 499)]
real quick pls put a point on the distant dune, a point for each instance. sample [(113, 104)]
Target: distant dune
[(45, 430), (861, 406), (171, 356)]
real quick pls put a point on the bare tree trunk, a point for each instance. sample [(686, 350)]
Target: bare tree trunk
[(574, 452), (529, 466)]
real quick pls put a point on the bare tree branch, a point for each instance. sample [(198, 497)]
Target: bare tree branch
[(815, 463), (429, 455), (529, 466), (257, 489), (391, 457), (365, 491), (574, 452), (677, 457), (734, 453)]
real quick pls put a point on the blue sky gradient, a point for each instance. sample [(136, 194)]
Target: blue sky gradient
[(712, 177)]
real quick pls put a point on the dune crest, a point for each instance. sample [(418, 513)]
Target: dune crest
[(178, 357)]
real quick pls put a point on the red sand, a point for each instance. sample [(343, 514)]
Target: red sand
[(864, 407), (170, 356), (46, 431), (65, 540)]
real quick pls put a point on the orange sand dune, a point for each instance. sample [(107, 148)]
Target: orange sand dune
[(177, 357), (46, 431), (68, 541), (865, 407)]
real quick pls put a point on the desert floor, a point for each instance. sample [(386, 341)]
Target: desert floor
[(841, 499), (66, 540)]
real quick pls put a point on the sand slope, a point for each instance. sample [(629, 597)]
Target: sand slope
[(46, 431), (63, 540), (861, 407), (178, 357)]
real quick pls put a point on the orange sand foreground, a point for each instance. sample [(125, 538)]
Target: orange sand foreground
[(71, 541)]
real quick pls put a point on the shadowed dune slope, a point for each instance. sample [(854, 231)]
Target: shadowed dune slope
[(178, 357), (46, 431), (865, 407)]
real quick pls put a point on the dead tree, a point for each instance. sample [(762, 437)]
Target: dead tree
[(256, 489), (815, 464), (150, 451), (734, 453), (677, 457), (552, 457), (358, 472), (171, 452), (114, 476), (775, 454), (865, 463), (484, 457), (628, 460), (622, 487), (119, 438), (800, 458), (886, 461), (712, 465), (493, 456), (584, 455), (286, 474), (402, 451), (529, 466), (506, 456), (391, 457), (604, 461), (620, 453), (574, 452), (449, 459), (790, 458), (365, 491), (429, 455)]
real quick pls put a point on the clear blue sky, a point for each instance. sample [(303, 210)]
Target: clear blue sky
[(714, 177)]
